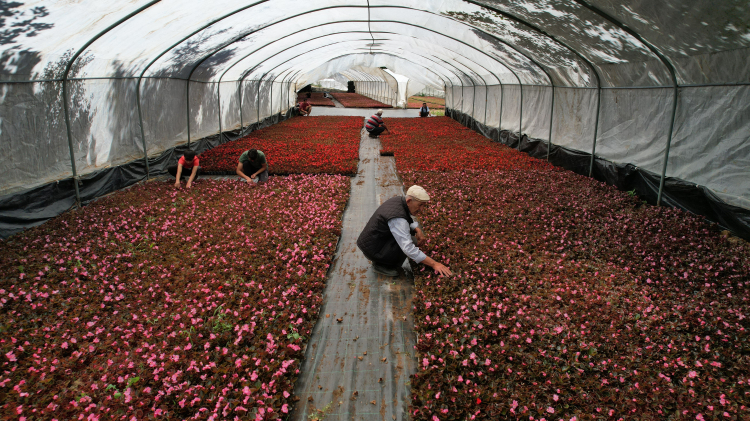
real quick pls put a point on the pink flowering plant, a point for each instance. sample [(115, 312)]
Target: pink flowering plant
[(572, 300), (169, 304)]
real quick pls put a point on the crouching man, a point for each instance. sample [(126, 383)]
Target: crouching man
[(387, 238), (187, 166), (253, 167)]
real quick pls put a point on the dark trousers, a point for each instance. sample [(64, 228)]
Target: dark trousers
[(376, 131), (185, 172), (248, 170), (394, 259), (424, 113)]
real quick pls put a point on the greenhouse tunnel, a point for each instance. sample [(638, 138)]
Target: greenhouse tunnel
[(584, 192), (647, 96)]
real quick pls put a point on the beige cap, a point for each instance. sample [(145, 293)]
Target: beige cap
[(418, 193), (380, 112)]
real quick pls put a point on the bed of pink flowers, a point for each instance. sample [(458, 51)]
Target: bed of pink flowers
[(167, 303), (575, 301)]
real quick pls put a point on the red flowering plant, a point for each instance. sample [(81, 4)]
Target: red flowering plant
[(316, 99), (349, 100), (441, 144), (570, 300), (310, 145), (164, 303)]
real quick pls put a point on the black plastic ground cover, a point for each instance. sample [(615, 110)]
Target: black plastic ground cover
[(360, 356), (677, 193), (33, 207)]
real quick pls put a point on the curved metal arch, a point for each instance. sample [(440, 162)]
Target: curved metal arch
[(258, 64), (672, 73), (542, 68), (261, 62), (338, 42), (520, 126), (393, 55), (306, 52), (398, 34), (399, 57), (574, 51), (236, 39), (386, 21), (427, 29), (64, 80), (430, 59), (140, 78), (334, 33)]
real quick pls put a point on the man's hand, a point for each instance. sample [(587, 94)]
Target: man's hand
[(441, 269), (188, 184), (177, 183), (419, 235)]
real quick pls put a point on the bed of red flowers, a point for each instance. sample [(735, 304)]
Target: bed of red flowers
[(159, 303), (316, 99), (442, 144), (571, 300), (432, 102), (301, 145), (358, 101)]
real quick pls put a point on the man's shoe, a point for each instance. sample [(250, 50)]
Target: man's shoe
[(383, 270)]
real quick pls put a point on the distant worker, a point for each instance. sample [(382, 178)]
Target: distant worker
[(375, 124), (424, 111), (304, 107), (253, 167), (187, 164), (387, 238)]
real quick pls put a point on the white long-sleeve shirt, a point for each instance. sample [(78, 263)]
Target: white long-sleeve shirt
[(401, 231)]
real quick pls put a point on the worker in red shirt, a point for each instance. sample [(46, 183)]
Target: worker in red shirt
[(188, 163), (304, 107)]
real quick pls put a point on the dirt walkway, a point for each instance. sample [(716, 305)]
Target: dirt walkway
[(361, 354)]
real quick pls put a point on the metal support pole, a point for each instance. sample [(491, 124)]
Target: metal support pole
[(520, 117), (65, 95), (551, 119), (140, 119), (239, 92), (669, 143), (218, 102), (259, 82), (500, 122), (596, 127), (187, 100), (474, 100), (70, 137), (486, 98), (670, 67)]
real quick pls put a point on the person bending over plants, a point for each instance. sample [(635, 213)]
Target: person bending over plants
[(188, 162), (253, 166), (304, 107), (424, 111), (375, 124), (387, 238)]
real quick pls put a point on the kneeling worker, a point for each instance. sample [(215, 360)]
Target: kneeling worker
[(187, 164), (386, 239), (252, 166), (375, 124)]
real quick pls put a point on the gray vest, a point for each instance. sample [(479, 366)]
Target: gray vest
[(376, 241)]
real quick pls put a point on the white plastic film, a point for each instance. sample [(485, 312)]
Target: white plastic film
[(633, 126)]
